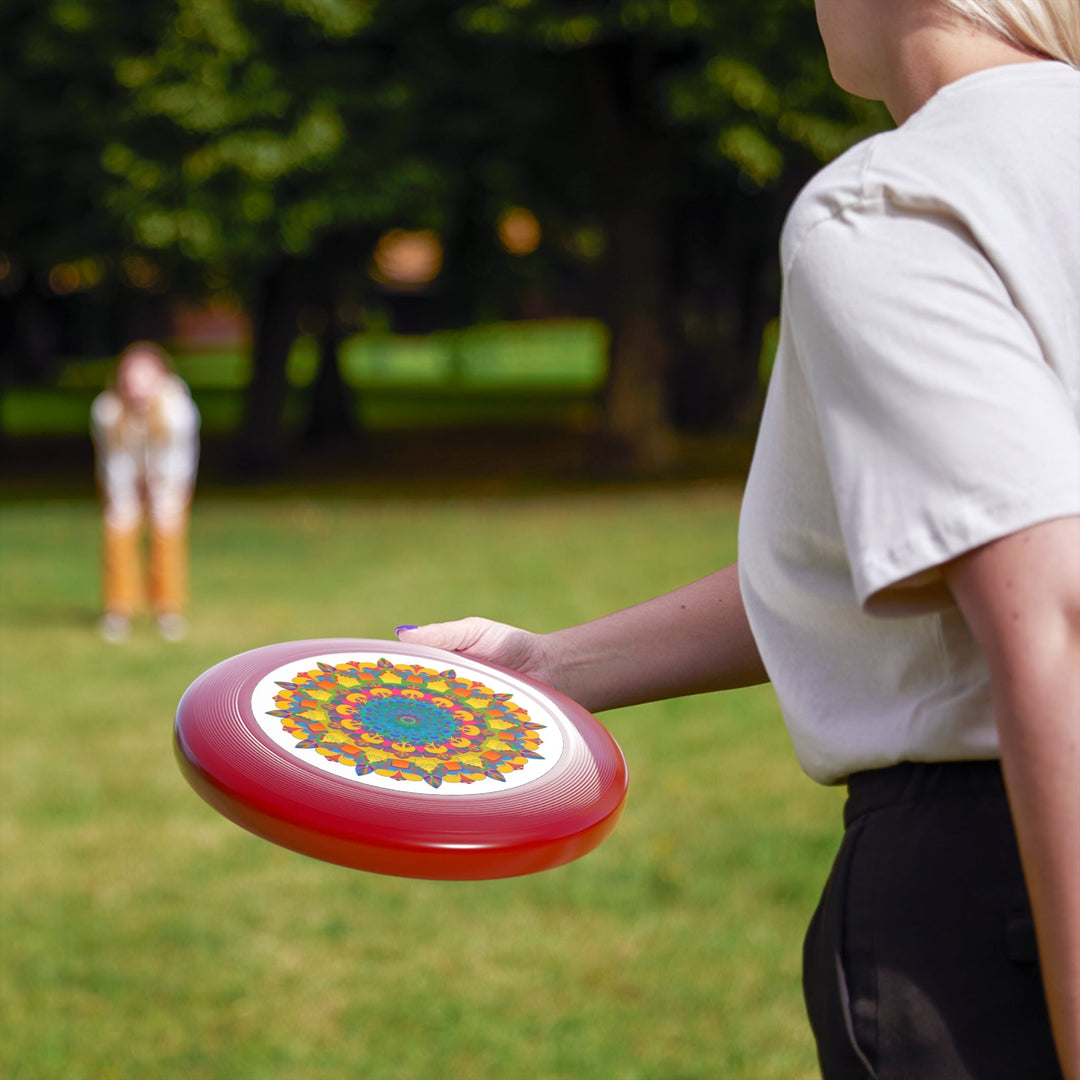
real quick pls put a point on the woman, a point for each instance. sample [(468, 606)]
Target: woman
[(909, 574), (146, 436)]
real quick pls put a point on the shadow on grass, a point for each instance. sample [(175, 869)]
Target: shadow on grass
[(415, 464)]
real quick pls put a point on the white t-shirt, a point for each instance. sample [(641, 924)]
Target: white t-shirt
[(925, 400), (146, 462)]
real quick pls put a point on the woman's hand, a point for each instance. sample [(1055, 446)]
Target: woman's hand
[(492, 642)]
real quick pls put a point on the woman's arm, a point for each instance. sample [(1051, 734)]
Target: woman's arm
[(689, 641), (1021, 598)]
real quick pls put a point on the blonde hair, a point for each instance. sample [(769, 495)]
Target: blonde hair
[(1048, 27)]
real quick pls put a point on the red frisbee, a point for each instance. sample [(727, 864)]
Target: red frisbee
[(400, 759)]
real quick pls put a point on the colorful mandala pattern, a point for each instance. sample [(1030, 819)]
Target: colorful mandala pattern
[(407, 722)]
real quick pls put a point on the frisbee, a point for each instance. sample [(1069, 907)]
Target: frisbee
[(400, 759)]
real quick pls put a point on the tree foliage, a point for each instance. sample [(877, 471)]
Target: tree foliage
[(264, 145)]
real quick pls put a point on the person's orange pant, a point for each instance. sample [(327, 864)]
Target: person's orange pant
[(124, 583)]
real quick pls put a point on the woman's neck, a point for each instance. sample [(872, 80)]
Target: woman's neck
[(930, 55)]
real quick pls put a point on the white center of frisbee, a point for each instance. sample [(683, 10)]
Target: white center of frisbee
[(397, 721)]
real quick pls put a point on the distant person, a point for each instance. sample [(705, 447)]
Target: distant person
[(909, 549), (146, 437)]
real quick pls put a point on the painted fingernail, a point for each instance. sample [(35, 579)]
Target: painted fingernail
[(398, 629)]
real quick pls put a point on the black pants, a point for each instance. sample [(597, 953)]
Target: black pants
[(920, 961)]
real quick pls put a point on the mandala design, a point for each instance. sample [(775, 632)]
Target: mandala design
[(407, 722)]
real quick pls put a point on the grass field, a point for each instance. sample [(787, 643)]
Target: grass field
[(146, 937)]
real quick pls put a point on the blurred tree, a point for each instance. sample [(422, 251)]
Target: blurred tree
[(59, 106), (293, 134), (268, 132), (261, 147), (692, 125)]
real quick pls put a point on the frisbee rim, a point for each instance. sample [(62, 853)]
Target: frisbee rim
[(289, 803)]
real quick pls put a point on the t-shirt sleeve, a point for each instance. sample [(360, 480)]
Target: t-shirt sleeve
[(944, 425)]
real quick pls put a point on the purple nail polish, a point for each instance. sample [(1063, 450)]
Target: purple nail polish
[(398, 629)]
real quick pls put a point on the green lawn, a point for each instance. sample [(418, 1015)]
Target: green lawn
[(144, 936)]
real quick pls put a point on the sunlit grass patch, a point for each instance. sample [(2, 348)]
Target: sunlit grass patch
[(145, 936)]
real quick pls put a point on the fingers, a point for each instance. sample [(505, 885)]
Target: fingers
[(485, 640), (481, 639), (458, 636)]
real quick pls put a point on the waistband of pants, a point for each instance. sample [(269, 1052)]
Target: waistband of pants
[(912, 781)]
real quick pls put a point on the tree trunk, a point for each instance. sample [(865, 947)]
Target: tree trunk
[(635, 191), (34, 348), (637, 426), (727, 283), (331, 416), (261, 448)]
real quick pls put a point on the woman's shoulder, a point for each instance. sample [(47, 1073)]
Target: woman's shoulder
[(997, 142), (831, 192), (106, 410)]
